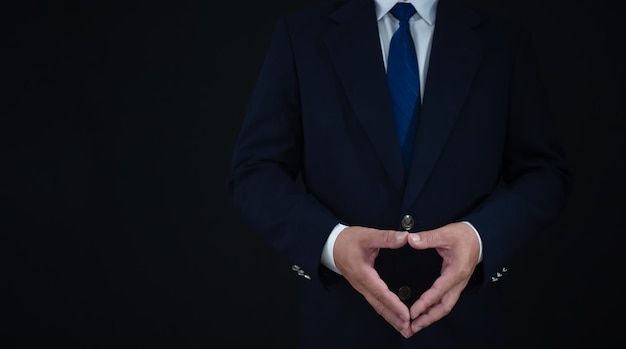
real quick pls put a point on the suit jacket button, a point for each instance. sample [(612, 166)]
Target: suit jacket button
[(404, 293), (407, 222)]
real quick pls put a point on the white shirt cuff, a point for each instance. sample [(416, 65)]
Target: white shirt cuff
[(480, 242), (328, 260)]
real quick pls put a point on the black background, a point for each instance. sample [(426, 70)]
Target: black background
[(117, 124)]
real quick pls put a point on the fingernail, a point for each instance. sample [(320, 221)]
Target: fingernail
[(416, 237)]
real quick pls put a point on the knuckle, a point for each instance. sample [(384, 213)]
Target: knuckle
[(446, 309), (464, 271), (389, 236), (379, 308), (427, 237), (380, 298)]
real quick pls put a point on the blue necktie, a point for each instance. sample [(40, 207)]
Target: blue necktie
[(403, 80)]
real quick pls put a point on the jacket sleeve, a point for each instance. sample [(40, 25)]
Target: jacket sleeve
[(536, 180), (263, 180)]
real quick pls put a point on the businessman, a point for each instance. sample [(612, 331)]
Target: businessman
[(400, 155)]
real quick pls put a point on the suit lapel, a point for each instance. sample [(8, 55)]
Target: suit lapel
[(354, 45), (455, 55)]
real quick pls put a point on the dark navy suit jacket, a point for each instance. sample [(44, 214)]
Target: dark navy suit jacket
[(318, 147)]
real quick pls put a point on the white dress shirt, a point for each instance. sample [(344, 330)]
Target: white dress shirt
[(422, 26)]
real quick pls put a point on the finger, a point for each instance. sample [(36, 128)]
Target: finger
[(436, 312), (397, 316), (385, 303), (432, 315), (428, 299), (427, 239), (442, 285), (381, 298)]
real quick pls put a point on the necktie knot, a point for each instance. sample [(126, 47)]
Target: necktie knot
[(403, 11)]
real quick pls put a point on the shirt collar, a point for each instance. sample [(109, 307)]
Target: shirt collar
[(425, 8)]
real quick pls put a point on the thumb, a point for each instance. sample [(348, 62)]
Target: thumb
[(390, 239), (424, 239)]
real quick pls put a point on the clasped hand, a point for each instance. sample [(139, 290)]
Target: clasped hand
[(355, 252)]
